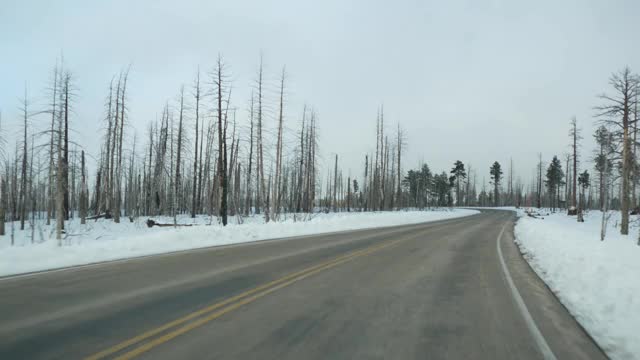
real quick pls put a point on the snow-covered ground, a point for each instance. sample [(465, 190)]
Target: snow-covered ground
[(104, 240), (599, 282)]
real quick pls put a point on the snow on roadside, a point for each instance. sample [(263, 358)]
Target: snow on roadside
[(104, 240), (599, 282)]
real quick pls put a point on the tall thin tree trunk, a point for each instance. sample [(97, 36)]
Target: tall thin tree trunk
[(22, 202), (275, 209), (50, 200), (222, 146), (575, 163), (3, 203), (634, 168), (195, 161), (65, 159), (262, 193), (118, 190), (250, 159), (626, 162), (83, 191), (60, 217), (178, 157)]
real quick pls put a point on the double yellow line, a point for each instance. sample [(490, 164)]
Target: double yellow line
[(216, 310)]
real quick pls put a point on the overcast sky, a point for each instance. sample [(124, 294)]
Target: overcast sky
[(472, 80)]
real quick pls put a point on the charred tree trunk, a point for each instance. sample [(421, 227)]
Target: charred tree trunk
[(194, 194), (84, 196), (176, 191), (247, 209), (222, 145), (275, 209)]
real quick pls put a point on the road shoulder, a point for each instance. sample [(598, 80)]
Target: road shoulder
[(565, 336)]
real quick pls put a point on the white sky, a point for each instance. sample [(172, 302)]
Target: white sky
[(472, 80)]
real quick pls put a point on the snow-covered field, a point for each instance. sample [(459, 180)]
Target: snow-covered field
[(599, 282), (103, 240)]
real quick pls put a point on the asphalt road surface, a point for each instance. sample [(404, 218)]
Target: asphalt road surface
[(452, 289)]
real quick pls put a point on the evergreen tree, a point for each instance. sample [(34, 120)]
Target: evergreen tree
[(442, 188), (555, 175), (410, 183), (496, 177), (583, 182), (458, 174), (605, 146)]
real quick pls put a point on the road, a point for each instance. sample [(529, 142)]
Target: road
[(437, 290)]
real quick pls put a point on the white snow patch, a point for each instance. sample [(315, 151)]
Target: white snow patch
[(598, 281), (103, 240)]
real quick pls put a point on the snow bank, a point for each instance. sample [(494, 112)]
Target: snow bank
[(104, 240), (599, 282)]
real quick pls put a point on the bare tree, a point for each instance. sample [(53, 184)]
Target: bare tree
[(634, 157), (194, 193), (250, 159), (300, 179), (261, 193), (275, 197), (3, 185), (399, 143), (178, 156), (60, 216), (605, 185), (574, 134), (123, 109), (616, 111), (53, 110), (22, 202), (84, 196), (334, 201), (539, 190), (222, 140), (66, 103)]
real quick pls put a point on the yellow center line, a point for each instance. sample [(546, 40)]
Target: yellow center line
[(175, 333), (270, 287)]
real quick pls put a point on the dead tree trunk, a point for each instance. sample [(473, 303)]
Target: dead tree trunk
[(617, 112), (334, 200), (299, 185), (195, 161), (634, 168), (109, 198), (65, 158), (247, 209), (59, 188), (275, 209), (222, 144), (84, 196), (262, 194), (399, 171), (118, 187), (178, 157), (22, 202), (3, 204), (50, 199), (539, 192)]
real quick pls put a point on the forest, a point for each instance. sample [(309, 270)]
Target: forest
[(203, 156)]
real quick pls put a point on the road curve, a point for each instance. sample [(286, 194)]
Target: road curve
[(441, 290)]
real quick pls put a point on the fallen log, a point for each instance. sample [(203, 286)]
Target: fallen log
[(151, 223), (534, 214), (106, 215)]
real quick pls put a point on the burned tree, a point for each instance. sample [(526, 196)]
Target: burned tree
[(616, 111), (220, 90)]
